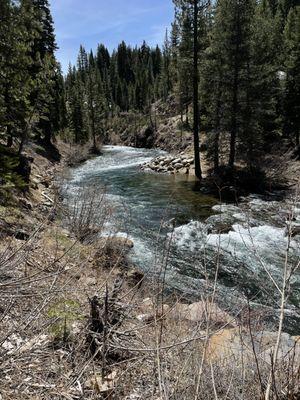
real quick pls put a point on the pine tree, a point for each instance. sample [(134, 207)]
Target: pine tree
[(6, 51), (211, 95), (76, 110), (232, 49), (166, 84), (292, 68), (16, 37), (286, 5), (82, 63), (103, 60), (49, 106), (45, 73), (174, 54), (198, 171), (96, 105), (265, 65), (45, 42), (91, 61), (191, 19), (241, 84), (185, 70)]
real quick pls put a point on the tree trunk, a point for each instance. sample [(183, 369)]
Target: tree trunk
[(217, 135), (235, 100), (93, 129), (187, 123), (247, 126), (216, 150), (233, 121), (181, 125), (198, 172), (21, 145), (9, 142)]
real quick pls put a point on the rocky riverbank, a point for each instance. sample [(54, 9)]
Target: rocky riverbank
[(171, 164)]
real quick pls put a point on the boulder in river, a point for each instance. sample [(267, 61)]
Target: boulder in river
[(236, 345)]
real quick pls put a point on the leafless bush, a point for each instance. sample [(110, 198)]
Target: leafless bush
[(87, 214), (78, 154)]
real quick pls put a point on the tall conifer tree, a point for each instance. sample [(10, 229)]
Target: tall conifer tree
[(292, 67)]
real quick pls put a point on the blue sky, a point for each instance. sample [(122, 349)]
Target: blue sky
[(89, 22)]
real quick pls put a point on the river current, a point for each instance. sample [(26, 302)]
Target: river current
[(190, 238)]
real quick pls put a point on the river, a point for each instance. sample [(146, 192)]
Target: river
[(190, 238)]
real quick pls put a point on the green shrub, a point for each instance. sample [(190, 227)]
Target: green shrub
[(65, 312)]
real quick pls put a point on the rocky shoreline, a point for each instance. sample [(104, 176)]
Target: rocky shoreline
[(171, 164)]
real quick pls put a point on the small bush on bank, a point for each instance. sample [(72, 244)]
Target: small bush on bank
[(87, 214)]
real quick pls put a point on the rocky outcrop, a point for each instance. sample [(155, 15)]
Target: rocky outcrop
[(236, 343), (170, 164)]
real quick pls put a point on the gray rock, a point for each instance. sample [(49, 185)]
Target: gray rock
[(178, 166)]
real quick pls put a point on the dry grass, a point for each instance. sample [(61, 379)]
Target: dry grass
[(151, 351), (73, 326)]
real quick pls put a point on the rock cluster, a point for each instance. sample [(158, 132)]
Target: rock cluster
[(170, 164)]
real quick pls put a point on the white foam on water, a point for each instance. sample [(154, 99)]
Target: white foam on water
[(129, 157), (91, 167), (115, 198), (249, 245), (190, 236), (250, 239)]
